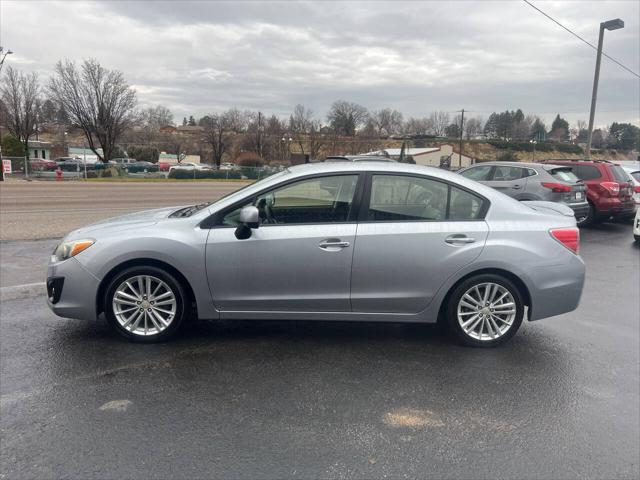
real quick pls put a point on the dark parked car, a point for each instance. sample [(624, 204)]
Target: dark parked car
[(609, 189), (533, 181), (74, 165), (140, 167)]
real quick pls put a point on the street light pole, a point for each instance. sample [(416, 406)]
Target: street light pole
[(2, 57), (609, 25)]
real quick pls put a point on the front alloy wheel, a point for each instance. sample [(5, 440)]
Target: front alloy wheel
[(145, 304), (485, 311)]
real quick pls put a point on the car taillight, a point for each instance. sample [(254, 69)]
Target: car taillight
[(557, 187), (569, 237), (636, 189), (612, 187)]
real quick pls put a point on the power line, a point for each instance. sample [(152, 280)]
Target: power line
[(579, 37)]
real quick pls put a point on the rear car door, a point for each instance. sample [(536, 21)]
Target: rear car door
[(414, 232), (508, 179), (299, 259)]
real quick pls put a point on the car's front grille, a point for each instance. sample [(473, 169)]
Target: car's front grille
[(54, 288)]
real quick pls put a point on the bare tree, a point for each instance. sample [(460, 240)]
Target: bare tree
[(156, 117), (473, 127), (387, 121), (217, 131), (97, 100), (300, 123), (418, 126), (346, 117), (439, 122), (21, 98)]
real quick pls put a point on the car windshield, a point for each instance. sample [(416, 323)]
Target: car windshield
[(190, 210), (636, 175), (564, 174), (619, 174)]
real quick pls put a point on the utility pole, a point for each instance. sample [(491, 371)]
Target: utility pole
[(460, 147), (609, 25)]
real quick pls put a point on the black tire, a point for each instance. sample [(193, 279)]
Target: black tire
[(177, 289), (637, 238), (590, 219), (452, 315)]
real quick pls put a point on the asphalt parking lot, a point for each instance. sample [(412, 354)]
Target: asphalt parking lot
[(325, 400)]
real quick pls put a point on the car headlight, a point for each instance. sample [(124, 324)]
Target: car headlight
[(72, 248)]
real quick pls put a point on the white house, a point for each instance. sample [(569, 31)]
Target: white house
[(38, 149)]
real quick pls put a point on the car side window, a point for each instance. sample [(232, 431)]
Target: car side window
[(505, 173), (529, 172), (478, 173), (402, 198), (464, 205), (315, 200), (587, 172)]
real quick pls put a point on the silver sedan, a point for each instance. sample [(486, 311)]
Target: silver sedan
[(365, 241)]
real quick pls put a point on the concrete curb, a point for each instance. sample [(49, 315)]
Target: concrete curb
[(28, 290)]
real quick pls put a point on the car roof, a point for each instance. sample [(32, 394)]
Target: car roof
[(544, 166), (357, 158)]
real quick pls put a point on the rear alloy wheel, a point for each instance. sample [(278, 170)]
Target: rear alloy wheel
[(485, 311), (145, 304)]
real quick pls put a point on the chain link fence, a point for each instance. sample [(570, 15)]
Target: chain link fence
[(38, 169)]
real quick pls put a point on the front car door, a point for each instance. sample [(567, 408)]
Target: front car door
[(299, 259), (414, 233)]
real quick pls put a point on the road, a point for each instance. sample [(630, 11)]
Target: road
[(35, 210), (327, 400)]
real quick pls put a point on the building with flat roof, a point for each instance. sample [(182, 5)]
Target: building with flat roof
[(430, 156)]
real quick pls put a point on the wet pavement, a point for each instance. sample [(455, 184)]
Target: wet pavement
[(329, 400)]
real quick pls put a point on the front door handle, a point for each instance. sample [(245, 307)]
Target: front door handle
[(459, 239), (333, 244)]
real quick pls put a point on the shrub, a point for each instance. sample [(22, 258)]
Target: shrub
[(249, 159), (507, 157), (200, 174)]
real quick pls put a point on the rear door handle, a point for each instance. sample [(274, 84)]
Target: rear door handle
[(459, 239), (516, 187), (332, 244)]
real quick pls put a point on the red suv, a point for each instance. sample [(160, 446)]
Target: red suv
[(609, 190)]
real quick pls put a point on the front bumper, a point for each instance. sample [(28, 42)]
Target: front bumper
[(71, 290)]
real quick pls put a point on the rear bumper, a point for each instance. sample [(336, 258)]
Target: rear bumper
[(580, 210), (613, 207), (71, 290), (557, 289)]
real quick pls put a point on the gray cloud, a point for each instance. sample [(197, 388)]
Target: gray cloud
[(197, 57)]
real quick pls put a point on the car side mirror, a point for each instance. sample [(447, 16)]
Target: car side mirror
[(249, 218)]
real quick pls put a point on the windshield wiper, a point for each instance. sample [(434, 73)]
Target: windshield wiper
[(190, 210)]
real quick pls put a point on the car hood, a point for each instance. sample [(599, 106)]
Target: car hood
[(124, 222)]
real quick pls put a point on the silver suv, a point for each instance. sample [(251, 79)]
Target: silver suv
[(533, 181)]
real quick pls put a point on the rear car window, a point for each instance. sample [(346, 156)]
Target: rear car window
[(464, 205), (506, 174), (477, 173), (564, 174), (400, 198), (587, 172), (619, 174)]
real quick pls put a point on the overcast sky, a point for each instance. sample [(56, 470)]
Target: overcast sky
[(199, 57)]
